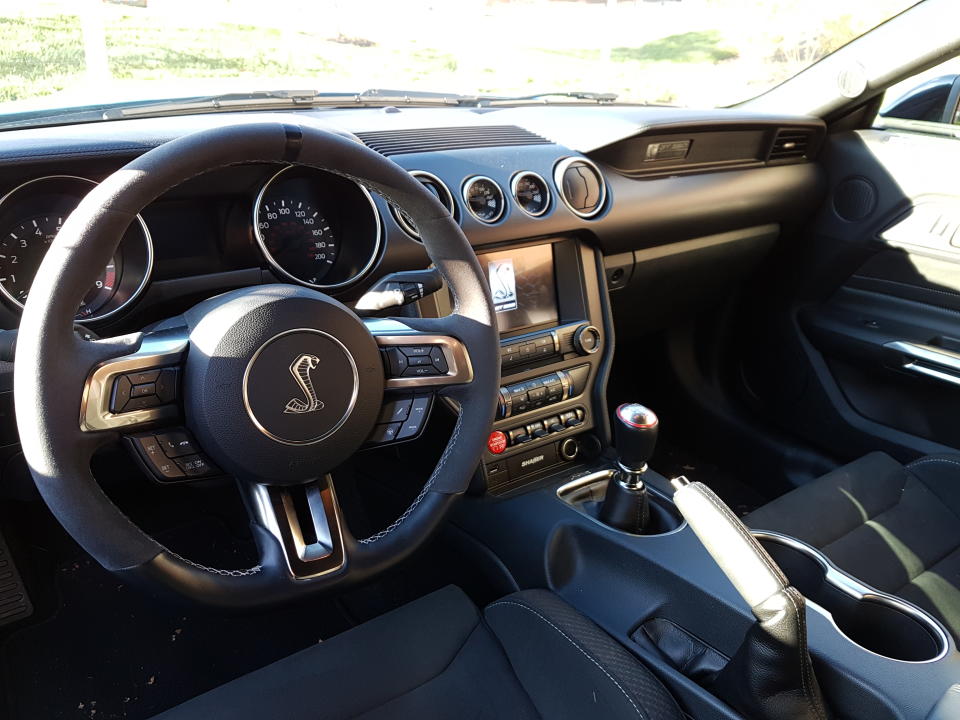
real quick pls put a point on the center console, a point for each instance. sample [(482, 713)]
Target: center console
[(553, 353)]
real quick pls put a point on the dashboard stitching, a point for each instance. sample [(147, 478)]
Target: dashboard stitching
[(423, 493)]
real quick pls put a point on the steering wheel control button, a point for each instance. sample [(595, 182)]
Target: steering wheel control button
[(167, 385), (419, 411), (438, 359), (121, 394), (421, 370), (167, 469), (300, 386), (497, 442), (196, 466), (397, 362), (145, 390), (385, 433), (177, 443), (150, 448), (144, 377), (407, 361), (395, 411)]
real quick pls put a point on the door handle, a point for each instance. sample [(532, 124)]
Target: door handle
[(929, 361)]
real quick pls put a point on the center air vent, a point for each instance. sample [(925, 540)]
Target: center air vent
[(398, 142), (437, 189), (581, 186), (790, 145)]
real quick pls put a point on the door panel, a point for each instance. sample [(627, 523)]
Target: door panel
[(875, 309)]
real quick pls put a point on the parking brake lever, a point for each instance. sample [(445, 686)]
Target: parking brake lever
[(770, 677)]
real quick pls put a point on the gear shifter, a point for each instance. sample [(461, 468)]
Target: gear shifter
[(626, 505)]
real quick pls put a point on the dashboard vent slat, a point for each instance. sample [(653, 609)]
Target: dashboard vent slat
[(790, 145), (399, 142)]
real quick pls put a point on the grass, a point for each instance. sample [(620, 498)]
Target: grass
[(688, 47), (38, 55), (42, 55)]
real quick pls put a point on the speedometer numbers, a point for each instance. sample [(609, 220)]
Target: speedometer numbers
[(22, 249), (298, 238)]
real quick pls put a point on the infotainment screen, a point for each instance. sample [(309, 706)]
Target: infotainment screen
[(523, 286)]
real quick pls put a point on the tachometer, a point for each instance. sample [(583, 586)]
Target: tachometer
[(298, 238), (32, 214), (22, 249)]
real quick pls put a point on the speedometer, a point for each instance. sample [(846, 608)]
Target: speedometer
[(298, 238), (316, 228)]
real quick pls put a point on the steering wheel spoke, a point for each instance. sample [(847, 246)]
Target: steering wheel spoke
[(134, 390), (307, 524)]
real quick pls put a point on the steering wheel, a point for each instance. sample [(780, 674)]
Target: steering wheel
[(237, 355)]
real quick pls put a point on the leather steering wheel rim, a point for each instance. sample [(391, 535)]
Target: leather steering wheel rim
[(53, 364)]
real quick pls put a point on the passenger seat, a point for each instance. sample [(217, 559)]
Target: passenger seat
[(895, 527)]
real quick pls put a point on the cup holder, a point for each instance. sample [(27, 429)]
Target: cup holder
[(877, 622)]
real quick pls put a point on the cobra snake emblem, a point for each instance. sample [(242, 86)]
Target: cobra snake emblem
[(300, 369)]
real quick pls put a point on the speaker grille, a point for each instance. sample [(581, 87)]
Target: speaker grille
[(855, 199)]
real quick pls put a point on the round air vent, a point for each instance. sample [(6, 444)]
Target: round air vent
[(581, 186), (435, 185)]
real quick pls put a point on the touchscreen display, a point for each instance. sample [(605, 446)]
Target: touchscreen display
[(523, 286)]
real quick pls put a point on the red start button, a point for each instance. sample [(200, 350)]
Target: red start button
[(497, 442)]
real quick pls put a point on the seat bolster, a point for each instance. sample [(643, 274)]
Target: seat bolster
[(571, 668), (351, 673), (834, 504), (941, 474)]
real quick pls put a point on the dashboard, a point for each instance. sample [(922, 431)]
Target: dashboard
[(574, 212)]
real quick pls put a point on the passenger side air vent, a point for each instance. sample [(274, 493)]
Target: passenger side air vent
[(399, 142), (790, 146)]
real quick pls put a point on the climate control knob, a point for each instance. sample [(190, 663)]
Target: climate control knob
[(586, 340)]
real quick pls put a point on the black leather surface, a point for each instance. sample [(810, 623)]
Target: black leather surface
[(436, 658), (771, 677), (894, 527)]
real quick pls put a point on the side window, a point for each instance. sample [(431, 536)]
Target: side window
[(930, 97)]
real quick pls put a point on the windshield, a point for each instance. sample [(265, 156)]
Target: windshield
[(96, 54)]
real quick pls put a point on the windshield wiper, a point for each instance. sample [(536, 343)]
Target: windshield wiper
[(284, 99), (280, 99), (544, 97)]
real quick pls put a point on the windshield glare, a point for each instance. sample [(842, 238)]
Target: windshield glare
[(704, 53)]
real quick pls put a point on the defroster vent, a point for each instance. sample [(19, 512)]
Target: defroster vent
[(399, 142), (790, 145)]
